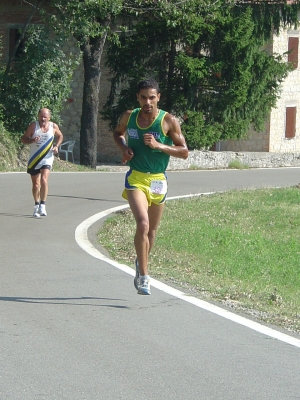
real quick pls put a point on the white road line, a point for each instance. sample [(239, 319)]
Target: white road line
[(82, 240)]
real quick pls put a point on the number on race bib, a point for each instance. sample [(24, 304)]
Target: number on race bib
[(159, 187)]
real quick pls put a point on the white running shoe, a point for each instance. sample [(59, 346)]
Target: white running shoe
[(144, 285), (42, 210), (36, 212)]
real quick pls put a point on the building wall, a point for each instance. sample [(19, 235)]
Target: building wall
[(254, 141), (13, 14), (272, 138), (71, 115), (290, 96), (107, 149)]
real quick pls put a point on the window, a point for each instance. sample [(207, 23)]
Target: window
[(14, 36), (290, 122), (293, 51)]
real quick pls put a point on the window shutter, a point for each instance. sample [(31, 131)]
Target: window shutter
[(293, 51), (290, 122)]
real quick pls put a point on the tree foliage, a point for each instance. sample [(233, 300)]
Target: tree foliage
[(85, 20), (89, 22), (1, 79), (40, 77), (214, 67)]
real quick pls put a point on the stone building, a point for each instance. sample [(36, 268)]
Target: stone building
[(282, 130), (281, 133)]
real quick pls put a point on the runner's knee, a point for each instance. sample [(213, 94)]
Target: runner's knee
[(152, 234), (142, 227), (44, 181)]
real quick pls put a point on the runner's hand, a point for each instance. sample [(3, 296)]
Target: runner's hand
[(150, 141), (127, 155)]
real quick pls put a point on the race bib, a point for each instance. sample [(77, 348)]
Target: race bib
[(159, 187)]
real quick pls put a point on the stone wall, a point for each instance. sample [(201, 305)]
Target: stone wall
[(106, 149), (254, 141), (71, 113), (222, 159)]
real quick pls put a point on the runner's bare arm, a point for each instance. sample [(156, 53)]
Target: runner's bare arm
[(58, 135), (120, 140), (172, 127), (58, 138), (27, 137)]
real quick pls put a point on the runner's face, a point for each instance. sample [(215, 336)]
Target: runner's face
[(43, 117), (148, 99)]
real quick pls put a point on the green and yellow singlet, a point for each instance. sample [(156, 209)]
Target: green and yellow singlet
[(145, 158)]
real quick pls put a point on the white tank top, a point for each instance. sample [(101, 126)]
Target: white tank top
[(41, 152)]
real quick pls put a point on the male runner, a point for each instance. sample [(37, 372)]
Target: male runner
[(40, 135), (153, 136)]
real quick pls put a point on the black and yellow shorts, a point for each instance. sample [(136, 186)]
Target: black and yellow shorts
[(155, 186)]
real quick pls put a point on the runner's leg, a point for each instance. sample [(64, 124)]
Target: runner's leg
[(44, 183), (139, 207), (36, 186), (155, 213), (147, 222)]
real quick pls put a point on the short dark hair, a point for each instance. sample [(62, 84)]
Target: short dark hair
[(146, 84)]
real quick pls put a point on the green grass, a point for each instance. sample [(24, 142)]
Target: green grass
[(8, 151), (240, 248), (64, 166), (237, 164)]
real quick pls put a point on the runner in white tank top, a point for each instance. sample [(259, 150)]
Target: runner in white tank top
[(40, 135), (41, 152)]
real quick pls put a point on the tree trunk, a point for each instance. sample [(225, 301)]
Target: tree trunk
[(92, 52)]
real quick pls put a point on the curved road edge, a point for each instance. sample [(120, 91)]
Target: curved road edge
[(81, 237)]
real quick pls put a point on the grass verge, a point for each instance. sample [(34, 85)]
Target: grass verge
[(237, 164), (240, 248)]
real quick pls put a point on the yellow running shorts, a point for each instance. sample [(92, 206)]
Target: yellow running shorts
[(155, 186)]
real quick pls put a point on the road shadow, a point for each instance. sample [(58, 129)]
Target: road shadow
[(69, 301), (18, 215), (87, 198)]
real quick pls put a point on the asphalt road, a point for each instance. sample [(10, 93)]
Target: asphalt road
[(72, 326)]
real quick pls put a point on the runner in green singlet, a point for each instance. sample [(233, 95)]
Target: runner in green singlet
[(153, 135)]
